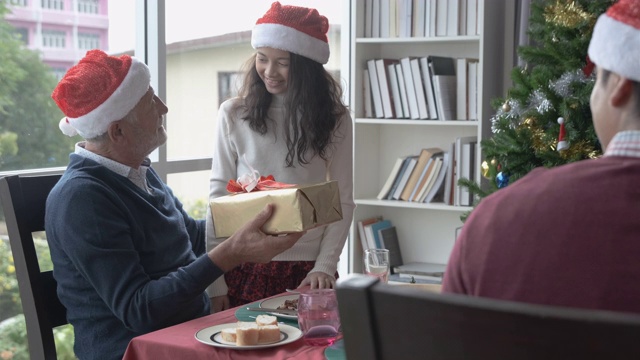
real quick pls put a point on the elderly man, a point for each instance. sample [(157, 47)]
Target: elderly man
[(127, 257)]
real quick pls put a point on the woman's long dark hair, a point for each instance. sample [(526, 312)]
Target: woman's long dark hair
[(313, 95)]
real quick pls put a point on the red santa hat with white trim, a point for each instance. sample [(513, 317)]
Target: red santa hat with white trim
[(615, 43), (99, 90), (300, 30)]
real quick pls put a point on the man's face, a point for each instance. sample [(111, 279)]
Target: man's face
[(272, 66), (148, 131)]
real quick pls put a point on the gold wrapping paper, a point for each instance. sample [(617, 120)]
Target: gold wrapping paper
[(296, 209)]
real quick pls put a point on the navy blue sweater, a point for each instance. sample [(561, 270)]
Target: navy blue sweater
[(127, 262)]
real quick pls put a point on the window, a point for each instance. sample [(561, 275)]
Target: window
[(23, 35), (88, 41), (58, 72), (53, 4), (228, 84), (88, 6), (54, 39), (18, 2)]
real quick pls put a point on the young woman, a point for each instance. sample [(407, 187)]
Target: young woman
[(288, 121)]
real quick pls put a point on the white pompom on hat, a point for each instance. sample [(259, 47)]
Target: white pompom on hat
[(99, 90), (615, 43), (300, 30)]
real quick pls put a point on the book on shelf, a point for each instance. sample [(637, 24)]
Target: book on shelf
[(463, 168), (472, 17), (453, 17), (443, 76), (405, 14), (371, 232), (396, 181), (436, 279), (386, 95), (368, 18), (389, 237), (423, 110), (384, 18), (449, 188), (430, 19), (393, 174), (408, 280), (462, 17), (393, 18), (411, 90), (436, 193), (421, 269), (423, 159), (375, 89), (375, 19), (419, 8), (428, 87), (361, 233), (441, 17), (424, 178), (366, 93), (426, 188), (472, 90), (462, 87), (404, 177), (395, 90), (403, 91)]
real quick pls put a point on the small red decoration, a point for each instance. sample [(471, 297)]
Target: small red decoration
[(264, 183), (588, 68)]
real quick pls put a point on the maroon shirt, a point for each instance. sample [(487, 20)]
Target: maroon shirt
[(566, 236)]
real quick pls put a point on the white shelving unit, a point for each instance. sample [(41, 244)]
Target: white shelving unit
[(426, 231)]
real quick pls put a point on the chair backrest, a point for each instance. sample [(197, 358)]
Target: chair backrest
[(381, 321), (23, 200)]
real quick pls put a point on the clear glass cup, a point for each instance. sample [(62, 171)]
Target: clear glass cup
[(376, 263), (318, 317)]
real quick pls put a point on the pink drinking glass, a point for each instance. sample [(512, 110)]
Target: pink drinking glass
[(318, 317)]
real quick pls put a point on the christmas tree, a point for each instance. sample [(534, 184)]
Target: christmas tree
[(553, 87)]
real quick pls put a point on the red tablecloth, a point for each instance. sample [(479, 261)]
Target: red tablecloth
[(179, 342)]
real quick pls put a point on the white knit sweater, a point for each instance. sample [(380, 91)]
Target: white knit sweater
[(266, 153)]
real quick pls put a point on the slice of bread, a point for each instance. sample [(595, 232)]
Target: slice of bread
[(247, 333), (229, 334), (269, 334), (263, 320)]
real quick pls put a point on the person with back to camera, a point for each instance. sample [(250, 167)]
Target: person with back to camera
[(126, 256), (568, 235), (288, 121)]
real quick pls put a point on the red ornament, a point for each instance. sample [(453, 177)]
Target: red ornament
[(588, 68)]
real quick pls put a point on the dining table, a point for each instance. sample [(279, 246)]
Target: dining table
[(179, 341)]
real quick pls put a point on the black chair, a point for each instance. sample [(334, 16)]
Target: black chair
[(23, 200), (381, 321)]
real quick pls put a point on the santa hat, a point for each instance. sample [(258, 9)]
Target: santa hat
[(99, 90), (300, 30), (615, 43), (562, 143)]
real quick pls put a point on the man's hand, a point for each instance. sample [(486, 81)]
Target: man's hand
[(318, 280), (250, 244), (219, 303)]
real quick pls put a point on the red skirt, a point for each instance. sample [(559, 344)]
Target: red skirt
[(251, 282)]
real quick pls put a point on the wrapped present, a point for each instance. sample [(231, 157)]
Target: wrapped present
[(296, 208)]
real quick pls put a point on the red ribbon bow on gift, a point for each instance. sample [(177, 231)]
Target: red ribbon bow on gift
[(264, 183)]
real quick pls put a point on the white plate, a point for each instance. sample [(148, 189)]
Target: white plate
[(279, 301), (211, 336)]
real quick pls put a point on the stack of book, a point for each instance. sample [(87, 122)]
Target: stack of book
[(423, 87), (420, 18)]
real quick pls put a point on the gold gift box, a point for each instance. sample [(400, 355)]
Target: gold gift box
[(296, 209)]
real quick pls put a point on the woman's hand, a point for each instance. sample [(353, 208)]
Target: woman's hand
[(318, 280), (219, 303)]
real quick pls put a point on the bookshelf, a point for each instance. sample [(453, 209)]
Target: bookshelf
[(426, 230)]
